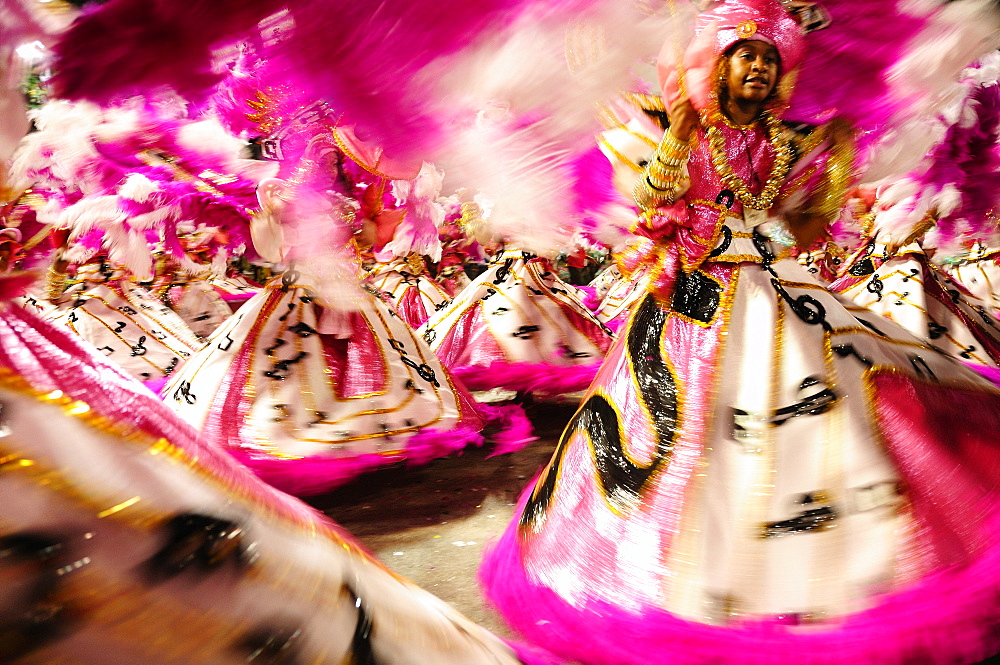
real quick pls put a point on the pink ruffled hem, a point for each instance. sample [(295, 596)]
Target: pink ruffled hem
[(991, 373), (590, 299), (951, 617), (307, 476), (536, 378), (235, 297)]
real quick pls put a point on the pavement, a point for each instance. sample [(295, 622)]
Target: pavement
[(431, 523)]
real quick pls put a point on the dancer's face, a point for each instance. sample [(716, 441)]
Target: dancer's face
[(753, 71)]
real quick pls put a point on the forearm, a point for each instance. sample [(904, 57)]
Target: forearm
[(664, 179), (825, 203), (55, 278)]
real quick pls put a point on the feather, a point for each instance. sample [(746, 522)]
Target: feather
[(418, 232)]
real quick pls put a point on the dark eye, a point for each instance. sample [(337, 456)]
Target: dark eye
[(643, 163)]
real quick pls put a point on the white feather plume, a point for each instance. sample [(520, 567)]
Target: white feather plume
[(535, 87)]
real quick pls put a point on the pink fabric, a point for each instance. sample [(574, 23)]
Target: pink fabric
[(155, 386), (991, 373), (320, 473), (228, 419), (608, 561), (949, 618), (943, 441), (234, 297), (16, 284), (50, 358), (536, 378), (590, 299), (317, 474), (469, 342), (344, 357), (411, 307)]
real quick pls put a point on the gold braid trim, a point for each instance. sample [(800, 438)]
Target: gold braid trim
[(838, 176)]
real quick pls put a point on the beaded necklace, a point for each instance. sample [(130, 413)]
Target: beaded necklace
[(779, 171)]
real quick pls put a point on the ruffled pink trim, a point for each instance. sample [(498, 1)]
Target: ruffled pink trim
[(317, 474), (538, 378), (515, 430), (991, 373), (590, 299), (949, 618)]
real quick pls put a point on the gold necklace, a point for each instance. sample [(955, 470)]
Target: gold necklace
[(782, 164)]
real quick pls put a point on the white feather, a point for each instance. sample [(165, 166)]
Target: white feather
[(209, 138), (137, 187), (536, 86), (946, 201)]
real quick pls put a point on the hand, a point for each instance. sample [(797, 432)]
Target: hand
[(683, 119)]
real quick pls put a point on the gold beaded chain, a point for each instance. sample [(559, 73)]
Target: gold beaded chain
[(779, 171)]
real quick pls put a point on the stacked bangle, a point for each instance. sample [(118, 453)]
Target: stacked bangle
[(55, 283), (664, 175)]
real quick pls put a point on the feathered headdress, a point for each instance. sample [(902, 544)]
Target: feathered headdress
[(127, 180)]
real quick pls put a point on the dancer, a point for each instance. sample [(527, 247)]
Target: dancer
[(895, 278), (759, 473), (954, 192), (128, 539), (314, 380), (188, 289), (519, 327), (401, 273), (123, 180)]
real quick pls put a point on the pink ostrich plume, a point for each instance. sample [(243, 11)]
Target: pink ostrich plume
[(363, 57)]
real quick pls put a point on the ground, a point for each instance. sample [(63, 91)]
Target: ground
[(430, 523)]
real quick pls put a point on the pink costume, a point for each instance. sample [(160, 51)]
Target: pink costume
[(314, 380), (127, 539), (125, 322), (761, 472), (893, 275), (401, 275), (518, 326), (907, 288)]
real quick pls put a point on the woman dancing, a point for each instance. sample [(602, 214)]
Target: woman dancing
[(761, 472)]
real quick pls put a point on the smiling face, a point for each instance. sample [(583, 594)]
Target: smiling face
[(753, 71)]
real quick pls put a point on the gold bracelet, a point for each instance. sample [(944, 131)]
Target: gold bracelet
[(664, 172), (672, 151)]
